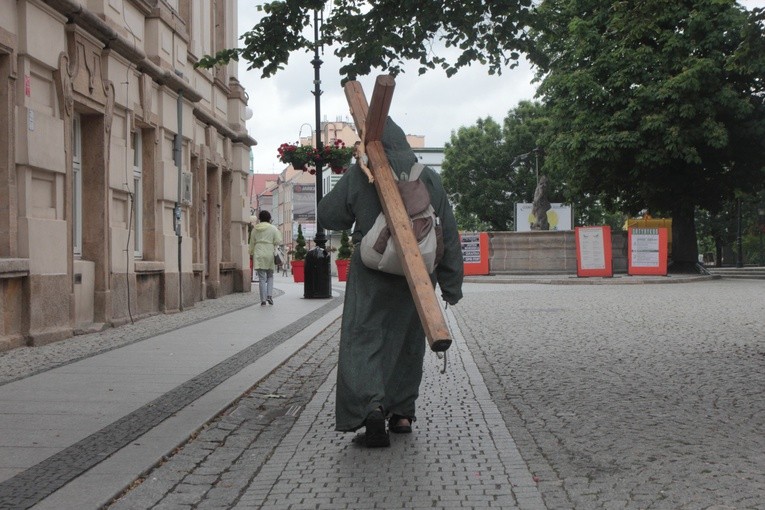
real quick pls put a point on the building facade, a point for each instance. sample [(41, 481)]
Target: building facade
[(430, 156), (123, 169), (260, 186)]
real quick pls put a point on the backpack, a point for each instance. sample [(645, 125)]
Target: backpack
[(378, 251)]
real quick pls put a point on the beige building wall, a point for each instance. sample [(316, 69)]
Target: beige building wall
[(331, 131), (99, 102)]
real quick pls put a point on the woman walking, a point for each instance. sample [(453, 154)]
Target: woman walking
[(263, 242)]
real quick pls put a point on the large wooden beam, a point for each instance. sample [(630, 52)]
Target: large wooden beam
[(371, 119)]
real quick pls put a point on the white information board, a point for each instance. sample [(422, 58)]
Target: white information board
[(559, 217), (591, 248)]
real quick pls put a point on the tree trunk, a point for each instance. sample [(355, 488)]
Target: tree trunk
[(718, 252), (685, 251)]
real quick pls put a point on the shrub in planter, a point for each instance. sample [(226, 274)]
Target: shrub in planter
[(343, 257)]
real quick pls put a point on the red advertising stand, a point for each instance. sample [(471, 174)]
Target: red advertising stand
[(647, 251), (475, 252), (593, 251)]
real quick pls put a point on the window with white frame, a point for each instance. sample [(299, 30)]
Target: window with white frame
[(137, 144), (77, 185)]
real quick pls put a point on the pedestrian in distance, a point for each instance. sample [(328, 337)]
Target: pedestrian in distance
[(264, 240), (286, 264), (382, 342)]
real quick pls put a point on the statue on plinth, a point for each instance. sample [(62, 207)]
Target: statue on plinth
[(540, 206)]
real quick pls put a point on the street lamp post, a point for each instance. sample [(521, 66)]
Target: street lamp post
[(761, 228), (524, 158), (317, 262), (739, 243)]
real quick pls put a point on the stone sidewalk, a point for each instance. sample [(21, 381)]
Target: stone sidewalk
[(599, 395), (277, 448), (82, 419)]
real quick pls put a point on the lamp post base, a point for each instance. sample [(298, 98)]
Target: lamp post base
[(318, 277)]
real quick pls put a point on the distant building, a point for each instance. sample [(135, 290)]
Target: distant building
[(415, 141), (344, 130), (258, 187), (430, 156)]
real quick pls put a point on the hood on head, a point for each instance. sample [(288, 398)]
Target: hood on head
[(397, 149)]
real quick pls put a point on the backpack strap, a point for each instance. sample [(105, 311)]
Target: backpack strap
[(415, 172)]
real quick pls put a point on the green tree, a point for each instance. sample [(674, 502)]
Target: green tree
[(382, 34), (488, 168), (485, 175), (476, 175), (718, 233), (654, 104)]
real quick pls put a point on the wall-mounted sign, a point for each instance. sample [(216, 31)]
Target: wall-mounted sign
[(309, 230), (304, 203)]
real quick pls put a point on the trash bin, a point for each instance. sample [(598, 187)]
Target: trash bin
[(318, 279)]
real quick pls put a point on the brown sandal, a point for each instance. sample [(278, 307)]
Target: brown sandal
[(395, 426)]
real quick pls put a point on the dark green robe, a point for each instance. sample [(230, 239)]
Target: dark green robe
[(382, 343)]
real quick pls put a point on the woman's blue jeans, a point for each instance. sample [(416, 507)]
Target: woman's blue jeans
[(266, 283)]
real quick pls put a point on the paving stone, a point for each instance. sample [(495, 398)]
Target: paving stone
[(624, 393), (610, 397)]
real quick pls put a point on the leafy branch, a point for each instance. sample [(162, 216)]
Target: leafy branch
[(385, 34)]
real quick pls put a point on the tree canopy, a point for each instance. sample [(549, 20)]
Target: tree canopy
[(651, 104), (383, 34), (654, 104), (483, 170)]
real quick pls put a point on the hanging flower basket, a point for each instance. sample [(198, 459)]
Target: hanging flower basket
[(299, 156), (306, 158), (337, 156)]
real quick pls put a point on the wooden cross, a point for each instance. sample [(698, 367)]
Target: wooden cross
[(370, 120)]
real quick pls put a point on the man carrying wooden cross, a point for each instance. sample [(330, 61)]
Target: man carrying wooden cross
[(382, 341)]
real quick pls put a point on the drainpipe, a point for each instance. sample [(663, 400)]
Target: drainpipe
[(178, 152)]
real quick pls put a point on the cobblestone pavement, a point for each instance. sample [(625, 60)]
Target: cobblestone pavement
[(635, 397), (570, 396), (277, 448)]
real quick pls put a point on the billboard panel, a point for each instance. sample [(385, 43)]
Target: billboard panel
[(559, 217)]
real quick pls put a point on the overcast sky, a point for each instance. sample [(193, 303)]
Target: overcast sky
[(431, 105)]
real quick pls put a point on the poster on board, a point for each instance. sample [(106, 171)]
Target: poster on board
[(475, 252), (593, 251), (647, 253), (559, 216)]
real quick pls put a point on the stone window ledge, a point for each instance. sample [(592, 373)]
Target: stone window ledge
[(14, 268), (149, 266)]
